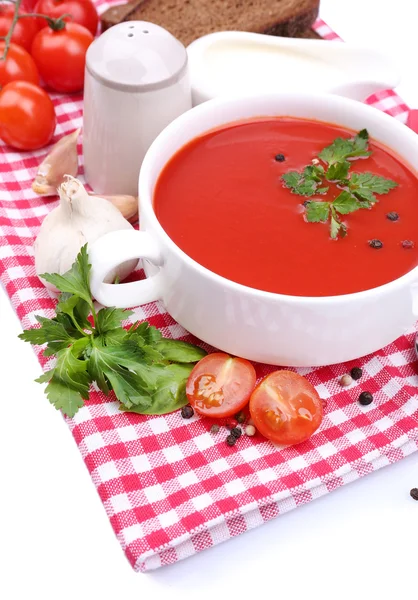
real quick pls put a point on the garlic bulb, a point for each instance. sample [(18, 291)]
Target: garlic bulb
[(63, 159), (78, 219), (128, 205)]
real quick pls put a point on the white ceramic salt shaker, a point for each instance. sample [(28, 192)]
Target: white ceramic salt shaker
[(136, 83)]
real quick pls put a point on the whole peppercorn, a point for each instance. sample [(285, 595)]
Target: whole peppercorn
[(236, 432), (407, 244), (346, 380), (187, 412), (392, 216), (305, 203), (215, 428), (250, 430), (376, 244), (240, 417), (231, 423), (280, 157), (414, 493), (356, 373), (365, 398), (231, 440)]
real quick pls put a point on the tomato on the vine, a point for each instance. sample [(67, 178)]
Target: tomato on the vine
[(82, 12), (25, 29), (220, 385), (286, 408), (61, 56), (27, 116), (18, 65)]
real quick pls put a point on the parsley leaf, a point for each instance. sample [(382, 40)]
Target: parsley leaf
[(76, 280), (342, 148), (366, 183), (338, 171), (345, 203), (146, 372), (111, 318), (317, 212), (178, 351), (306, 182)]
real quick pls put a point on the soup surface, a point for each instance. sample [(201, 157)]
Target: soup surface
[(222, 201)]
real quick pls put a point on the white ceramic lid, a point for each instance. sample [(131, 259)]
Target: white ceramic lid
[(136, 56)]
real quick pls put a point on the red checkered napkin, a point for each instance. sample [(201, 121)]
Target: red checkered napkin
[(169, 486)]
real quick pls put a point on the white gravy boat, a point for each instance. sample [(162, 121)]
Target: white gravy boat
[(239, 63)]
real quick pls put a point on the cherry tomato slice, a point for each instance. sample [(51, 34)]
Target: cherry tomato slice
[(220, 385), (286, 408)]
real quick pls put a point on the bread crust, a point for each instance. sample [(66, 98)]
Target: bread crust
[(188, 20)]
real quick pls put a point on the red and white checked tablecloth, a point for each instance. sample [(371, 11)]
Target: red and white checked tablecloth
[(169, 487)]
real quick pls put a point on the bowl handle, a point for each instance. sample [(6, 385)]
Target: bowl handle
[(111, 250)]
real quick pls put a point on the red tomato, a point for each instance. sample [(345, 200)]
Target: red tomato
[(18, 65), (82, 12), (286, 408), (27, 116), (61, 55), (24, 31), (220, 385), (28, 5)]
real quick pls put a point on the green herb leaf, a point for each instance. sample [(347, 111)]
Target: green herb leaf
[(342, 148), (76, 280), (338, 171), (111, 318), (305, 183), (57, 333), (317, 212), (367, 182), (345, 203), (178, 351), (63, 397), (170, 394)]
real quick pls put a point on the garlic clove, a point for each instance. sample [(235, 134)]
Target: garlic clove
[(78, 219), (127, 205), (63, 159)]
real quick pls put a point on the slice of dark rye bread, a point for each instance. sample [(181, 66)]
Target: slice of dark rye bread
[(188, 20)]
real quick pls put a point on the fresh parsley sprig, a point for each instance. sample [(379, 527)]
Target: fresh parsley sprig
[(146, 371), (358, 189)]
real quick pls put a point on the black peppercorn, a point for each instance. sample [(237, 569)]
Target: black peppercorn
[(365, 398), (377, 244), (407, 244), (392, 216), (215, 428), (280, 157), (356, 373), (240, 417), (231, 440), (236, 432), (305, 204), (187, 412), (414, 493)]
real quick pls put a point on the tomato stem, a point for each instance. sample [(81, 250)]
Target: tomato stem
[(54, 24), (8, 37)]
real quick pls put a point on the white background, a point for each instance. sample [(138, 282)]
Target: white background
[(56, 541)]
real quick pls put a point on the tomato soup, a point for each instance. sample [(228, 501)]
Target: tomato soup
[(222, 201)]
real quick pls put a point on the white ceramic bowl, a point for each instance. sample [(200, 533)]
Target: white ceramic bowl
[(261, 326)]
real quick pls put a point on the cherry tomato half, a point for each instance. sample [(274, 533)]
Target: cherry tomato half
[(82, 12), (220, 385), (19, 65), (27, 116), (61, 55), (25, 29), (286, 408)]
